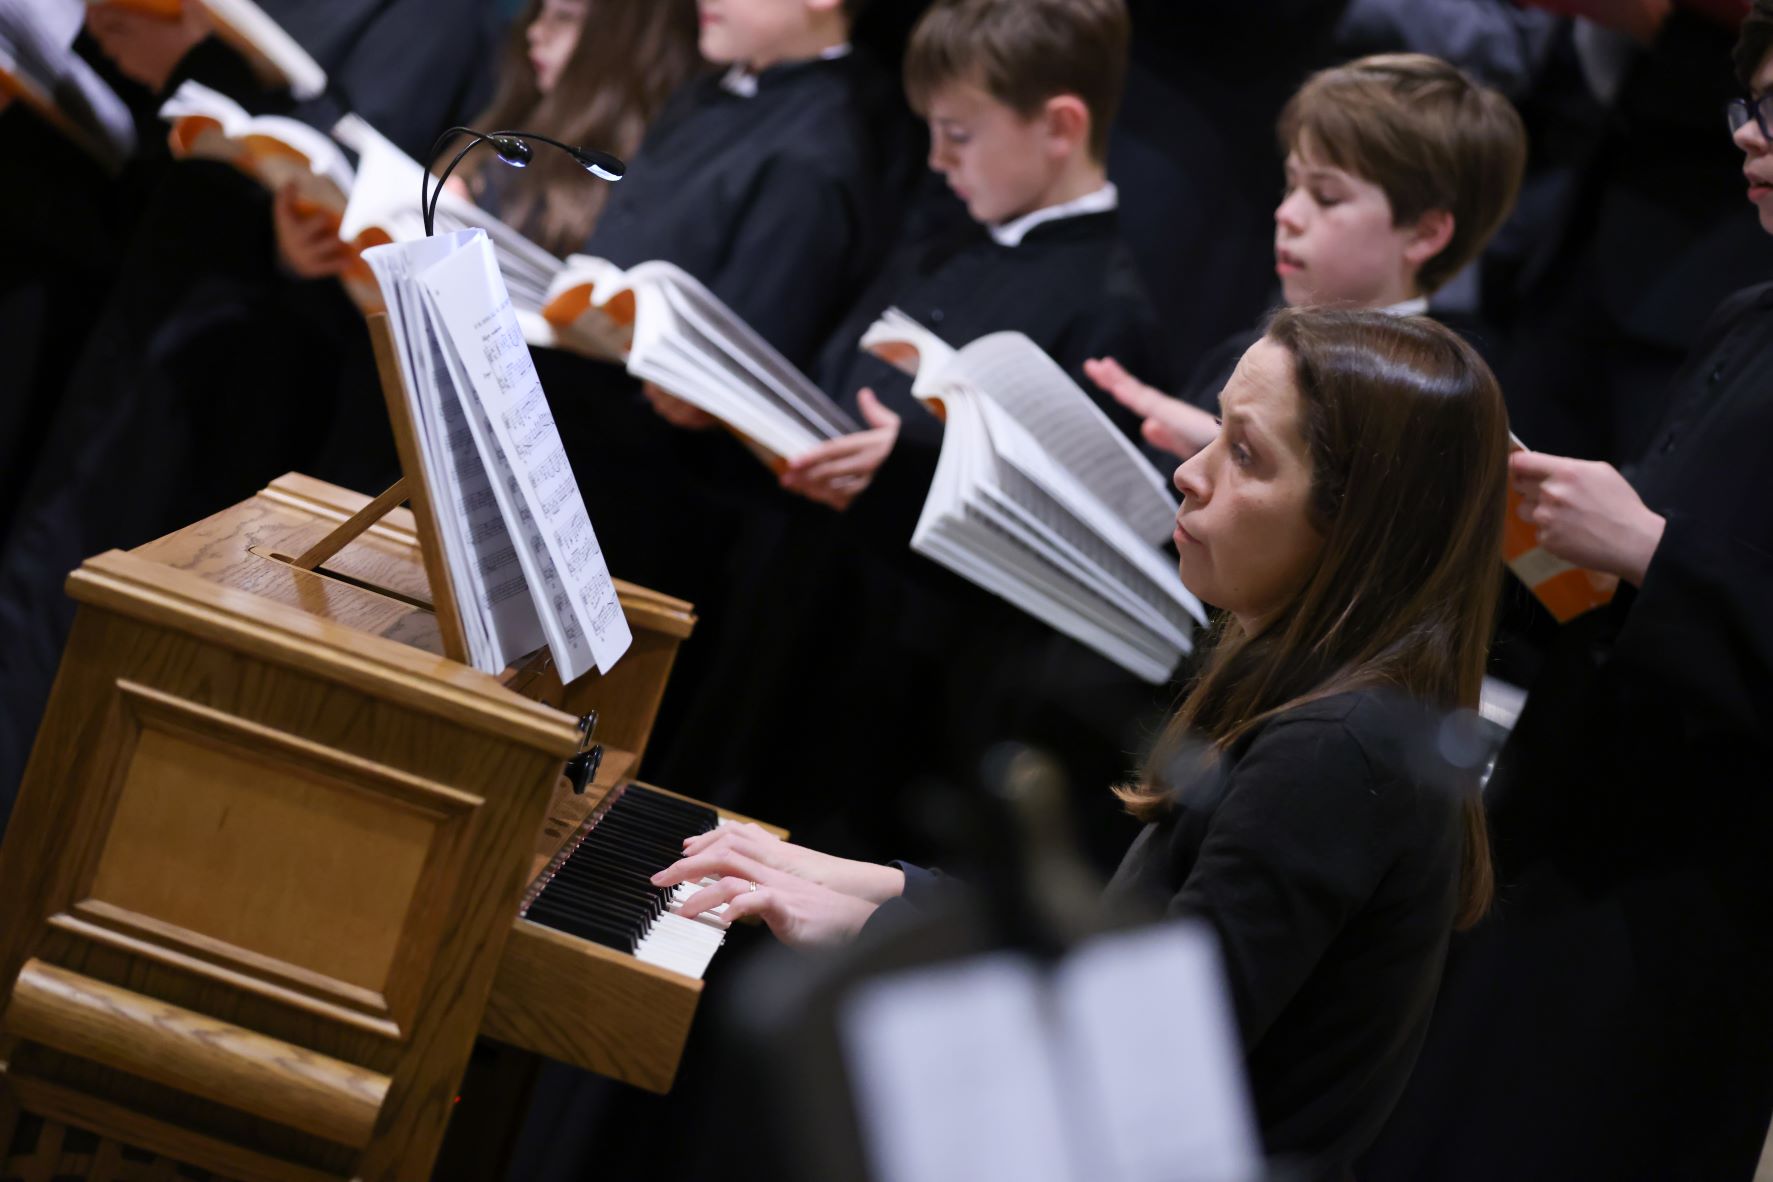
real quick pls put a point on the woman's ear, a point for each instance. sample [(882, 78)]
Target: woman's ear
[(1068, 124), (1428, 237)]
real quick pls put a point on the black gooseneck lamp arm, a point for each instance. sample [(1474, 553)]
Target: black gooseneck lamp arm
[(513, 148)]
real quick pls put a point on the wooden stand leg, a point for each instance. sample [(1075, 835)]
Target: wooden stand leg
[(347, 533)]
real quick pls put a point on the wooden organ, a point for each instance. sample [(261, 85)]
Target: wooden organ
[(260, 891)]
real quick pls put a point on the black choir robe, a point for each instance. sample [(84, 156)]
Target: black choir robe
[(782, 203), (866, 666), (1610, 1019)]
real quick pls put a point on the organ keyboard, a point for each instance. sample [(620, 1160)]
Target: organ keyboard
[(276, 861), (598, 887)]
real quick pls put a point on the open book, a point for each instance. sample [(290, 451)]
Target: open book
[(522, 556), (1566, 591), (373, 203), (999, 1067), (39, 68), (672, 331), (1040, 499), (274, 55)]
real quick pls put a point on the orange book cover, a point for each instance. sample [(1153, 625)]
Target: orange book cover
[(1567, 591)]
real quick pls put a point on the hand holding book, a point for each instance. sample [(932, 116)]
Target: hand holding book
[(836, 473), (308, 241), (1586, 514)]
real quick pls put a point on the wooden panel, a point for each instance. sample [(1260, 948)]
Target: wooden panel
[(593, 1007), (251, 841), (193, 1053), (230, 1163), (239, 752), (263, 823)]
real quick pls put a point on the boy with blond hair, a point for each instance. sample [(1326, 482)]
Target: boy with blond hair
[(1400, 168)]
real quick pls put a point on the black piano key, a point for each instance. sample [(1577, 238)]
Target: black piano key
[(597, 931), (602, 890)]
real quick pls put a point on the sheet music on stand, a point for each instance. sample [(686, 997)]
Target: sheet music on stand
[(995, 1069), (520, 548)]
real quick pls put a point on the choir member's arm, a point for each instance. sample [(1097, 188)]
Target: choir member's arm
[(1292, 851), (1167, 423), (1700, 619)]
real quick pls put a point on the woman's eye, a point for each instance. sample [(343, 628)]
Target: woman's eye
[(1240, 455), (1325, 199)]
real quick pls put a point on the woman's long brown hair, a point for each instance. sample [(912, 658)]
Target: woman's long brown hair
[(1408, 441), (630, 56)]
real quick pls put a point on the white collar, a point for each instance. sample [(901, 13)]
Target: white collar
[(1414, 306), (740, 80), (1101, 201)]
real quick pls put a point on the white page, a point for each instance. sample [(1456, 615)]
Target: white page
[(422, 368), (1160, 1083), (746, 348), (984, 552), (493, 597), (956, 531), (954, 1076), (906, 345), (968, 526), (1098, 534), (1013, 372), (581, 612)]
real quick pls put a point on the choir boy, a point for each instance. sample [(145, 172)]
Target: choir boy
[(1399, 170), (1019, 96)]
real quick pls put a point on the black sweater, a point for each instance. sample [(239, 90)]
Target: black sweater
[(1326, 854)]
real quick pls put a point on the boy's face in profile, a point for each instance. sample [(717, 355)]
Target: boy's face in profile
[(752, 32), (1335, 241), (996, 161), (1757, 165)]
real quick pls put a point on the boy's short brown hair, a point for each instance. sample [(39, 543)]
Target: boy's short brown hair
[(1425, 133), (1024, 52)]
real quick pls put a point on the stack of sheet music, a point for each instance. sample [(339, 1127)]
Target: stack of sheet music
[(1038, 497), (670, 330), (521, 552)]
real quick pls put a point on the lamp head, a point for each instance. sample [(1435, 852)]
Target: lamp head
[(600, 164), (512, 150)]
